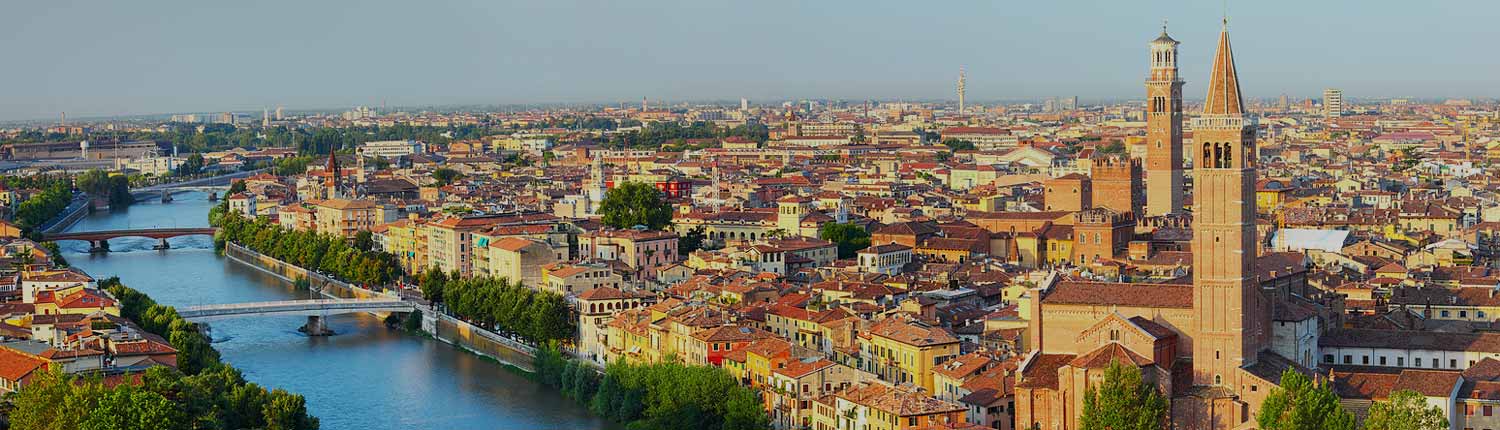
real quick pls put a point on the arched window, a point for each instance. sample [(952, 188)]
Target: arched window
[(1218, 155), (1228, 155), (1207, 157)]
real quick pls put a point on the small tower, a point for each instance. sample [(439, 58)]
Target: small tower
[(83, 147), (332, 182), (1164, 180), (960, 90), (789, 213)]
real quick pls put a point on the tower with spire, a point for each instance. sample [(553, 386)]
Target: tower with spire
[(1231, 313), (332, 183), (1164, 183)]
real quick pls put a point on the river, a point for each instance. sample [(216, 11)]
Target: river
[(366, 377)]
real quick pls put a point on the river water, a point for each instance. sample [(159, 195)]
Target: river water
[(366, 377)]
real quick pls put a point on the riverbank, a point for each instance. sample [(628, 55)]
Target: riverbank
[(367, 377), (438, 325)]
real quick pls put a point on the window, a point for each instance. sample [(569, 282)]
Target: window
[(1328, 358), (1417, 362), (1463, 314), (1382, 360), (1453, 363), (1400, 361), (1349, 359), (1488, 410), (1364, 359), (1444, 314)]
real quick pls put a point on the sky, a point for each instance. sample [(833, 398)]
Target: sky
[(109, 57)]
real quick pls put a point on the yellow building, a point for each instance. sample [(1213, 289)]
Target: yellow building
[(880, 407), (343, 218), (569, 279), (406, 239), (901, 351)]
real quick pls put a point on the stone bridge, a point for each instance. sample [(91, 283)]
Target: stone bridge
[(99, 240)]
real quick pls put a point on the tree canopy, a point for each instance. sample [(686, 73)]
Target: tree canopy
[(655, 396), (1302, 404), (849, 237), (536, 316), (1405, 410), (635, 203), (445, 176), (1123, 401)]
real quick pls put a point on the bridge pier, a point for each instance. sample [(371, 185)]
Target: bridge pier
[(315, 327), (166, 196), (98, 246), (213, 196), (162, 245)]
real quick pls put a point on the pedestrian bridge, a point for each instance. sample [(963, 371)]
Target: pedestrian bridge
[(153, 233), (310, 308)]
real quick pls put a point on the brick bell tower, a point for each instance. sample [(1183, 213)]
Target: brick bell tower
[(1231, 313), (1164, 181)]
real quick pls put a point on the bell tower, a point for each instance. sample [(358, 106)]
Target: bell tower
[(1231, 313), (1164, 181)]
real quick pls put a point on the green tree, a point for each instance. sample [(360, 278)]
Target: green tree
[(191, 165), (235, 187), (364, 240), (1405, 410), (1299, 403), (287, 411), (445, 176), (1114, 147), (691, 241), (849, 237), (1123, 401), (635, 203), (958, 144)]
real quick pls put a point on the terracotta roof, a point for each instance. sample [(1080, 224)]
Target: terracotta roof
[(1121, 294), (15, 365)]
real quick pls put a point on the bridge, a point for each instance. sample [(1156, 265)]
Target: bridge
[(213, 185), (313, 309), (100, 239)]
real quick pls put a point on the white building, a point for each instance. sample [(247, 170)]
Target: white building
[(885, 259), (392, 148)]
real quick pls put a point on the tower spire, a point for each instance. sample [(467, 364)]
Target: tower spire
[(1224, 84)]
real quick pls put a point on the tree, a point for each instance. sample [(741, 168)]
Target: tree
[(364, 240), (635, 203), (850, 237), (958, 144), (1114, 147), (192, 165), (1301, 404), (691, 241), (445, 176), (236, 186), (1123, 401), (1405, 410)]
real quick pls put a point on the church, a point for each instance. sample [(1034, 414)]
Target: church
[(1206, 344)]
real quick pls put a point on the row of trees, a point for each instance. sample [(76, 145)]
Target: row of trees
[(43, 206), (218, 398), (1124, 401), (655, 396), (201, 393), (538, 317), (306, 249), (654, 135)]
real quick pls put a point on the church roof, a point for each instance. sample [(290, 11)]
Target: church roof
[(1224, 84), (1121, 294), (1111, 352)]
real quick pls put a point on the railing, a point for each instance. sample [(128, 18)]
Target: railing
[(291, 306)]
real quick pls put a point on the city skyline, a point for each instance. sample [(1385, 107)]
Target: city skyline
[(458, 53)]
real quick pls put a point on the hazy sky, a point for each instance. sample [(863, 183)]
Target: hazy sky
[(108, 57)]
